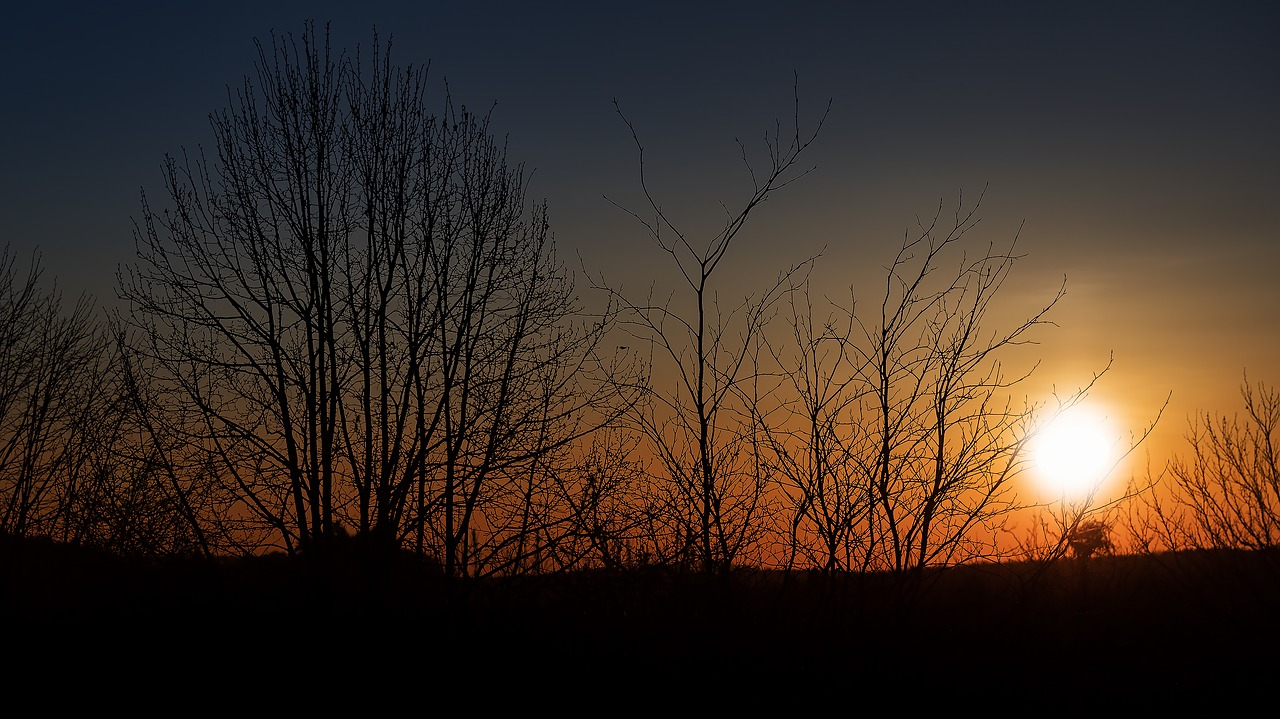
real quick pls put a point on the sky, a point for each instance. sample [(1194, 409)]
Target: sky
[(1131, 147)]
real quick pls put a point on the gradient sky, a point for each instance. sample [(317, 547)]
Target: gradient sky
[(1135, 143)]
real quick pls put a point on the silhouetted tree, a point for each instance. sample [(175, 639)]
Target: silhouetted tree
[(52, 362), (1225, 492), (943, 438), (148, 494), (1090, 537), (908, 424), (606, 488), (803, 427), (709, 505), (355, 312)]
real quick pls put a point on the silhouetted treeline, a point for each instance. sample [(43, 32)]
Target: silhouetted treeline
[(347, 333)]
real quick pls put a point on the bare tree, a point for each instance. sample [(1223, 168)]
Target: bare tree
[(709, 505), (806, 429), (1225, 492), (945, 436), (908, 422), (147, 493), (51, 364), (355, 312), (605, 488), (81, 462)]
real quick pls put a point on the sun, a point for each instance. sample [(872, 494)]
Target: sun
[(1074, 452)]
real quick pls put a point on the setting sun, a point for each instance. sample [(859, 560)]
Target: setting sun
[(1073, 452)]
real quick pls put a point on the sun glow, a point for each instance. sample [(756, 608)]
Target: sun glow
[(1074, 452)]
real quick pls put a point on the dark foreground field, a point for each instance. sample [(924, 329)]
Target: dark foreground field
[(1202, 626)]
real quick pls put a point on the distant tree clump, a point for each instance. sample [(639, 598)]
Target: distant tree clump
[(1090, 537)]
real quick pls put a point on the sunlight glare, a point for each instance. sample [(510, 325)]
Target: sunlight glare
[(1073, 453)]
